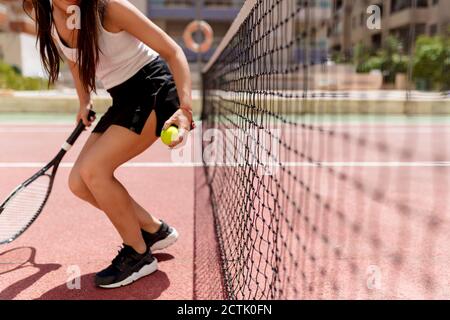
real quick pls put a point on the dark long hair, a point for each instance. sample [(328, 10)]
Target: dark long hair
[(92, 13)]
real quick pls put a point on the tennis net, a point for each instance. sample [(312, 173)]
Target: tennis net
[(322, 184)]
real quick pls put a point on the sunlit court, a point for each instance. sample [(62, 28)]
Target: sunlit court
[(316, 165), (49, 271)]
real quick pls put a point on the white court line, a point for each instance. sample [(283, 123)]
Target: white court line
[(353, 129), (67, 124), (36, 130), (393, 164)]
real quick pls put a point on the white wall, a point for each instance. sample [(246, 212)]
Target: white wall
[(140, 4), (19, 49), (31, 59)]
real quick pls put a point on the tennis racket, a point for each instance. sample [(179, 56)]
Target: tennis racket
[(27, 201)]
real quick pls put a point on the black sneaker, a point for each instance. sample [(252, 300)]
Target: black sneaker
[(126, 268), (164, 238)]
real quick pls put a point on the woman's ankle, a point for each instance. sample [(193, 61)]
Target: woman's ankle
[(152, 227), (140, 248)]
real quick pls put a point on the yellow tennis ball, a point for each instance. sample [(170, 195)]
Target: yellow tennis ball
[(167, 136)]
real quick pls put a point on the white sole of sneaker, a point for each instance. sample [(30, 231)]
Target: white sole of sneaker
[(145, 271), (167, 242)]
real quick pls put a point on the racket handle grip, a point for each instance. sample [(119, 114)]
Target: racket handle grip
[(79, 130)]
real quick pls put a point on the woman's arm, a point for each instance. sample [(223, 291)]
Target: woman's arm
[(83, 96), (122, 15)]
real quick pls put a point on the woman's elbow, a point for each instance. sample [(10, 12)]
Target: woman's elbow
[(175, 52)]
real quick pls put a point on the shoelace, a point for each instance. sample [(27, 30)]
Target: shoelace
[(121, 255)]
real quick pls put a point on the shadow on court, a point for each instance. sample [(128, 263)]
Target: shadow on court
[(74, 235), (148, 288), (20, 258)]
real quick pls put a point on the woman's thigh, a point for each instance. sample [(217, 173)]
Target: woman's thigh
[(117, 146), (90, 143), (75, 181)]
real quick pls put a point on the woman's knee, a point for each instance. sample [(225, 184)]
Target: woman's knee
[(94, 174), (76, 184)]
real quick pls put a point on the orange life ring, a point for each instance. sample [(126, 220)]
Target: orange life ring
[(208, 33)]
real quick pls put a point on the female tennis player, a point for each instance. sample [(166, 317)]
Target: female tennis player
[(112, 41)]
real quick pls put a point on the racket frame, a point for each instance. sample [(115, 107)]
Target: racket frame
[(44, 172)]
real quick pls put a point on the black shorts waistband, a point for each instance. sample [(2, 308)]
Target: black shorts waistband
[(152, 69)]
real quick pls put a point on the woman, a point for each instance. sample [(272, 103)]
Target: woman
[(115, 43)]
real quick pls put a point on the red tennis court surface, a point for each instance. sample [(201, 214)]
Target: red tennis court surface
[(71, 238)]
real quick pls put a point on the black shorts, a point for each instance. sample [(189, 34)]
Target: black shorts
[(152, 88)]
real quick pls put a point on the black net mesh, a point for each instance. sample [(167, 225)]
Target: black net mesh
[(328, 178)]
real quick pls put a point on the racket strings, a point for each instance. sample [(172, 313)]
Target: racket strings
[(23, 206)]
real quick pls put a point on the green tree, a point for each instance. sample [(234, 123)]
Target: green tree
[(432, 62), (361, 55), (390, 59), (393, 60), (10, 78)]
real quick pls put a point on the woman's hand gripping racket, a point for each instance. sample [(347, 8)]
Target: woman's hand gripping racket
[(26, 202)]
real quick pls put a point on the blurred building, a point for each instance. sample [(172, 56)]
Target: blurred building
[(174, 15), (400, 18), (18, 40), (340, 30)]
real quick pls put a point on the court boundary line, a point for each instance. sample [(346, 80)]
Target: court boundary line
[(342, 164), (350, 129)]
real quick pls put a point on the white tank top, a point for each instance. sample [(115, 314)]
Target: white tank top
[(121, 56)]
